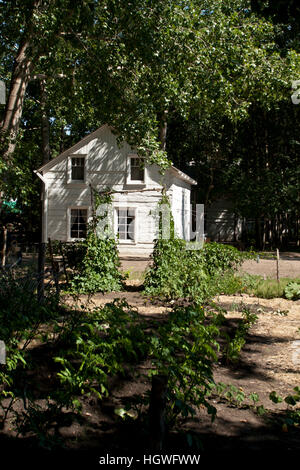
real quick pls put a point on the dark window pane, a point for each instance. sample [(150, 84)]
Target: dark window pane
[(78, 223), (78, 169), (136, 169)]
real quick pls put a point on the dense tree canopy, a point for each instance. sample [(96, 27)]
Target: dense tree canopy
[(187, 80)]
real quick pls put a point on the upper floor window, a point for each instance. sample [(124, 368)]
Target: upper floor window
[(77, 168), (136, 170)]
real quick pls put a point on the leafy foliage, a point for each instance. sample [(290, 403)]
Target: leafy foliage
[(21, 317), (292, 291), (196, 275), (235, 344), (99, 344), (292, 413), (184, 349), (97, 270)]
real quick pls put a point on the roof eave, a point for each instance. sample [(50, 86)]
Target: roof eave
[(183, 176), (47, 166)]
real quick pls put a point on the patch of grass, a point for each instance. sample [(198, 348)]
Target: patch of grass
[(132, 275), (263, 288)]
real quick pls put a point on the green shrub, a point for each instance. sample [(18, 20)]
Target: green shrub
[(198, 275), (20, 309), (292, 291), (21, 317), (184, 350), (179, 271), (99, 344), (98, 258), (221, 258), (99, 268)]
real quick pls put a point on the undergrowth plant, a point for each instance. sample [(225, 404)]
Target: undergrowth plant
[(21, 318), (184, 349), (292, 290), (98, 267), (234, 345), (192, 274), (291, 415), (97, 346)]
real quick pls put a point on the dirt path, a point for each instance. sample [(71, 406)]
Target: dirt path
[(273, 346), (289, 266), (267, 268)]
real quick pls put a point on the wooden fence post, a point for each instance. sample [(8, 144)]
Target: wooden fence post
[(157, 411), (41, 272), (64, 262), (3, 261), (277, 268), (54, 267)]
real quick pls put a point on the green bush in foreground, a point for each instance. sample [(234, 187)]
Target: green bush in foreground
[(197, 275), (98, 270)]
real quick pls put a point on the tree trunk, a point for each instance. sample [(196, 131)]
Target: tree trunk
[(163, 130), (14, 106), (45, 124), (22, 69), (157, 412), (45, 158), (3, 261)]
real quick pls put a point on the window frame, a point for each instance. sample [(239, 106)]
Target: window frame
[(69, 215), (129, 178), (70, 181), (116, 224)]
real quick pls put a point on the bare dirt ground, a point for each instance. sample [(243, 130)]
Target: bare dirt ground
[(289, 266)]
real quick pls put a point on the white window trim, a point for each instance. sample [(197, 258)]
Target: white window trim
[(135, 209), (76, 183), (69, 238), (129, 180)]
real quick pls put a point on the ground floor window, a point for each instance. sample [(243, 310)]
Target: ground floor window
[(126, 224), (78, 223)]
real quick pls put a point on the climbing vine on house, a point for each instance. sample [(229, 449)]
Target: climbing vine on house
[(98, 269)]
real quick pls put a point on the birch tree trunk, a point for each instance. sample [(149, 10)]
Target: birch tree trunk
[(13, 112), (22, 69)]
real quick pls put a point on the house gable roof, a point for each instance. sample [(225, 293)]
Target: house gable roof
[(47, 166), (43, 169)]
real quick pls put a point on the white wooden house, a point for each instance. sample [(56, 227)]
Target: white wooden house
[(98, 161)]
